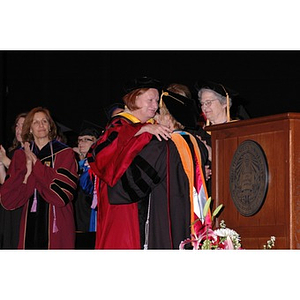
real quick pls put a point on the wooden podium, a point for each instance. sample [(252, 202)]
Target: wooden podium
[(278, 137)]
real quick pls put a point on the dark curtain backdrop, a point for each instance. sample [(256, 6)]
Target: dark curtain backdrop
[(78, 85)]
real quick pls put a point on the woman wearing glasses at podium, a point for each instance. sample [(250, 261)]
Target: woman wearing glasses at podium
[(216, 101)]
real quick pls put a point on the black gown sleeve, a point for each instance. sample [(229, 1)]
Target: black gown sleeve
[(147, 170)]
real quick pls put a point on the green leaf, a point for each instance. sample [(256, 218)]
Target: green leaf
[(206, 206), (216, 211)]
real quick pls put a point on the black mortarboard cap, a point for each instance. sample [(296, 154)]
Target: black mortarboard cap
[(217, 87), (88, 128), (142, 82), (62, 127), (183, 109)]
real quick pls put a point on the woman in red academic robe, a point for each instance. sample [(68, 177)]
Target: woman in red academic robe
[(127, 133), (42, 178)]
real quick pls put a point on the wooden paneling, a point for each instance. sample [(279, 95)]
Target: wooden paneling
[(279, 137)]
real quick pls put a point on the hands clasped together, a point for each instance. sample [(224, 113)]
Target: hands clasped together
[(30, 160), (160, 131)]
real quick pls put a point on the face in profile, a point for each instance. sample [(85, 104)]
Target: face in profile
[(163, 118), (18, 129)]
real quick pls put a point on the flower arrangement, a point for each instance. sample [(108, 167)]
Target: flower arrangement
[(205, 238)]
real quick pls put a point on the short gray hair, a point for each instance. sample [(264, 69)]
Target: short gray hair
[(222, 99)]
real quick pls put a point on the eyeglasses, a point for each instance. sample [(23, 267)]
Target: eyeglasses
[(207, 102), (84, 140)]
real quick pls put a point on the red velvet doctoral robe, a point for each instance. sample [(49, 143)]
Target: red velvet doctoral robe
[(117, 225), (53, 181)]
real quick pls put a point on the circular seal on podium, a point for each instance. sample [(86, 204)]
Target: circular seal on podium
[(248, 178)]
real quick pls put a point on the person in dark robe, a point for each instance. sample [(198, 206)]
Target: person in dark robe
[(125, 135), (10, 220), (216, 103), (42, 177), (198, 131), (85, 202), (167, 177)]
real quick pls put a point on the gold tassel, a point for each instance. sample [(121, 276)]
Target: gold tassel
[(227, 104), (161, 96), (228, 108)]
